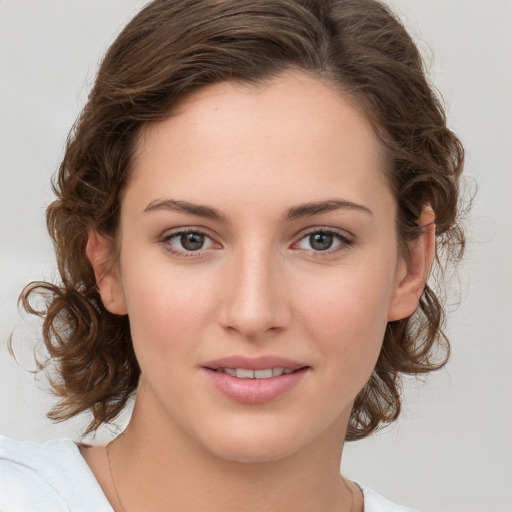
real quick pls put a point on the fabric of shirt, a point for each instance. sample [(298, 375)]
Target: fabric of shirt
[(54, 477)]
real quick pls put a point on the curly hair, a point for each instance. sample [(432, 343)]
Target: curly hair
[(175, 47)]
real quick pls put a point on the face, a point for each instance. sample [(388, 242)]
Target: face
[(259, 266)]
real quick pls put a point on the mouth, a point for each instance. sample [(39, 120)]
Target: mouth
[(255, 380), (266, 373)]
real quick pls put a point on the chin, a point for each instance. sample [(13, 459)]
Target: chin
[(253, 452), (256, 443)]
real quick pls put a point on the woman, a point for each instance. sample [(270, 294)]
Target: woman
[(246, 216)]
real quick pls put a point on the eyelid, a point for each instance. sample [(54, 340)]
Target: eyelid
[(172, 233), (326, 229), (346, 239)]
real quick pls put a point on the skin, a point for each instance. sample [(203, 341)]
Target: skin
[(257, 287)]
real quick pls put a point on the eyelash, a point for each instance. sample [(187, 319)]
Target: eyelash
[(175, 234), (344, 242)]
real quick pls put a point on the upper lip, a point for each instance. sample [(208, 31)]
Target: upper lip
[(253, 363)]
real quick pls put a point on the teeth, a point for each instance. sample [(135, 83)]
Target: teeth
[(243, 373), (262, 374)]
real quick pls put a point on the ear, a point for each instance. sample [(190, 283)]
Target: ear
[(412, 272), (99, 253)]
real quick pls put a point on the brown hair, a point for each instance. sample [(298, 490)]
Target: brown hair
[(174, 47)]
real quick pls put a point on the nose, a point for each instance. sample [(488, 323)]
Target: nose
[(254, 302)]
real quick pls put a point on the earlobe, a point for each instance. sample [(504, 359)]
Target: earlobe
[(106, 271), (413, 271)]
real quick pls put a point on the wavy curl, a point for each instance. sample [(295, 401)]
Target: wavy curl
[(175, 47)]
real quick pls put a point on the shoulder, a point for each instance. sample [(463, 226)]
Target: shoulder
[(374, 502), (50, 476)]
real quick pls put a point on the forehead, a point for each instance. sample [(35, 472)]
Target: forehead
[(294, 133)]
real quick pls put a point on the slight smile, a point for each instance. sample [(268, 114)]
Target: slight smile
[(245, 373), (255, 381)]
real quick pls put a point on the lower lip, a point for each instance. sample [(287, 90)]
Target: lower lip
[(255, 391)]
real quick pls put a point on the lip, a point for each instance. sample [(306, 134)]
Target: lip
[(254, 391), (253, 363)]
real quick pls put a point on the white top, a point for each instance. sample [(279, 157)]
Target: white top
[(54, 477)]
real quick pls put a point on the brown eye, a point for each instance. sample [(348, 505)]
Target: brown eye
[(187, 242), (321, 241), (192, 241)]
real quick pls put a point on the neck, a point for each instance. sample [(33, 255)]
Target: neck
[(156, 471)]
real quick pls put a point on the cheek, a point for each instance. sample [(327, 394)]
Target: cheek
[(167, 315), (166, 309), (348, 315)]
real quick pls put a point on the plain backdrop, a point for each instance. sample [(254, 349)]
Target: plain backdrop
[(451, 450)]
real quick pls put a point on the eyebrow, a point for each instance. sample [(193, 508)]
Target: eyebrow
[(310, 209), (294, 213), (186, 207)]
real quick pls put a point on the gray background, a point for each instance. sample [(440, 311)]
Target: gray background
[(451, 449)]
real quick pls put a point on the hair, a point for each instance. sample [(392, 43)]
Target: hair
[(175, 47)]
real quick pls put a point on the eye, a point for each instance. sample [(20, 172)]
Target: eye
[(323, 240), (187, 241)]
